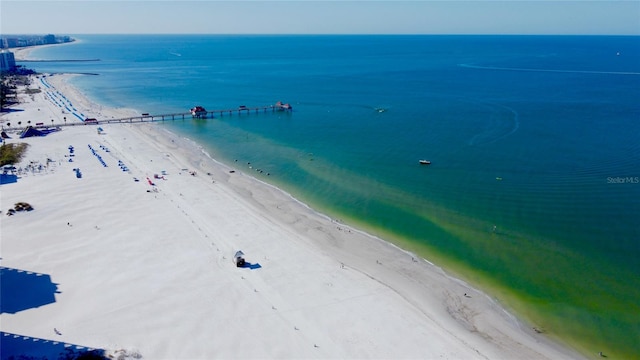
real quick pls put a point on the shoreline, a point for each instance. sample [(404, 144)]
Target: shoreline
[(421, 293), (24, 53)]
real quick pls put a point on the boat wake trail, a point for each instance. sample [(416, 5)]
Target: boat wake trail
[(501, 125), (471, 66)]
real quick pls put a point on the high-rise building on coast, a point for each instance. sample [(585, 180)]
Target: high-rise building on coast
[(13, 41), (49, 39), (7, 61)]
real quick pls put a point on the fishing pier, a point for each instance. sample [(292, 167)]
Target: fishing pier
[(195, 113)]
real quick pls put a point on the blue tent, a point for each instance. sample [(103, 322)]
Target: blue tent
[(31, 131)]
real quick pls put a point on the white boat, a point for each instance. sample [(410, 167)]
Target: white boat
[(424, 162)]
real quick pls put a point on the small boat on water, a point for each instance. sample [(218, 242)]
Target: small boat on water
[(199, 112), (424, 162)]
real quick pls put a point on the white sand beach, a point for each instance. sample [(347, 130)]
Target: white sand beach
[(148, 268)]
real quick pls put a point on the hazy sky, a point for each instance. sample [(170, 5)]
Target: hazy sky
[(320, 17)]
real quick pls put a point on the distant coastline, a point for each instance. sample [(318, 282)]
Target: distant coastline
[(19, 41), (23, 54), (62, 60)]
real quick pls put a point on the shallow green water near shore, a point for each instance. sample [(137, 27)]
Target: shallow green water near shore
[(522, 262)]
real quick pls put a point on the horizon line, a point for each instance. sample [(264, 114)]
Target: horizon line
[(325, 34)]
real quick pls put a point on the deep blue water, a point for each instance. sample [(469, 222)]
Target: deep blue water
[(535, 135)]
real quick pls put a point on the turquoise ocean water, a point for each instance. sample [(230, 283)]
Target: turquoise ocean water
[(538, 137)]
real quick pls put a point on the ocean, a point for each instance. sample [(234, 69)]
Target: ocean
[(533, 191)]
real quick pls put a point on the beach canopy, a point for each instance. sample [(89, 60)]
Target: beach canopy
[(238, 254)]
